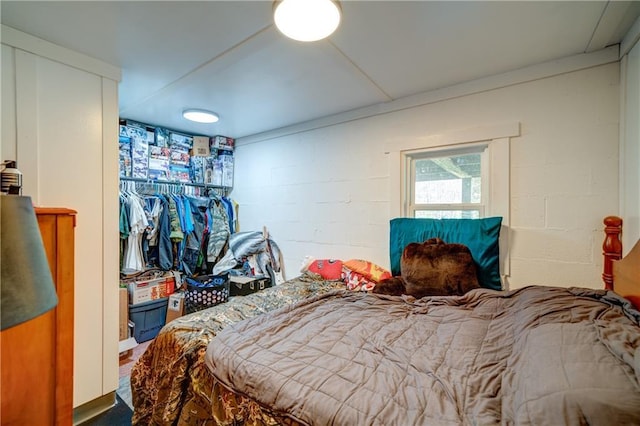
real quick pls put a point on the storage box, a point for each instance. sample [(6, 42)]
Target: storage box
[(148, 290), (176, 306), (226, 158), (241, 286), (149, 318), (124, 314), (201, 146), (222, 142)]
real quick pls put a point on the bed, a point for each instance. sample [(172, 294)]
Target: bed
[(309, 352)]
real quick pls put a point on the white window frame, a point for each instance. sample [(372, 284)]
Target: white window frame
[(409, 207), (497, 138)]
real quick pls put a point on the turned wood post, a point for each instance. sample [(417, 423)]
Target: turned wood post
[(611, 248)]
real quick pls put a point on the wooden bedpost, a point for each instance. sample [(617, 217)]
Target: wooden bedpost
[(611, 247)]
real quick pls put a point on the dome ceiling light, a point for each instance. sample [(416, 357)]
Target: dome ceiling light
[(200, 115), (307, 20)]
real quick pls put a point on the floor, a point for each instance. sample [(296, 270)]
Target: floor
[(120, 414), (126, 364)]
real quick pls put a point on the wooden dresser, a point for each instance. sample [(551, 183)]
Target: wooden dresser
[(37, 356)]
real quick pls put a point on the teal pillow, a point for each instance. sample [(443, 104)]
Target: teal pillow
[(480, 235)]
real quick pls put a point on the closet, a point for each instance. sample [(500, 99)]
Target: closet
[(175, 218)]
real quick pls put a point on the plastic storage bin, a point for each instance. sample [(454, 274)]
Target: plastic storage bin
[(149, 318)]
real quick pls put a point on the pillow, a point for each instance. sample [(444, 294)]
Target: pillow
[(436, 268), (329, 269), (433, 268), (356, 281), (368, 270), (479, 235)]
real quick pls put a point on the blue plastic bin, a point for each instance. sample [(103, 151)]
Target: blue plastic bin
[(149, 318)]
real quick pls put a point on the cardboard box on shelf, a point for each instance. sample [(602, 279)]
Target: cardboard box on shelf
[(201, 146), (176, 306), (145, 291), (124, 314)]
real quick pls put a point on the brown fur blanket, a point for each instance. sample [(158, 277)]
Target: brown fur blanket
[(432, 268)]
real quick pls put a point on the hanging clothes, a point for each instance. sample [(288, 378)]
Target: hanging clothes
[(219, 234), (194, 230), (229, 208), (124, 228), (163, 229), (160, 247), (133, 256)]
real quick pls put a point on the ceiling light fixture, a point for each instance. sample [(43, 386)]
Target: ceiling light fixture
[(307, 20), (200, 115)]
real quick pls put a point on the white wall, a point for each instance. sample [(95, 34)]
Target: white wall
[(327, 192), (60, 122), (630, 148)]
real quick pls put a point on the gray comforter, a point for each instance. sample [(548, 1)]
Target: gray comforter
[(537, 355)]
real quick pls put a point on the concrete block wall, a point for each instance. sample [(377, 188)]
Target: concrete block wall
[(630, 147), (326, 192), (317, 196)]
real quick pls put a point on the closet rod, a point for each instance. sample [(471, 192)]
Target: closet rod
[(199, 185)]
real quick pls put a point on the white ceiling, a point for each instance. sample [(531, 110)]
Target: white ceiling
[(228, 57)]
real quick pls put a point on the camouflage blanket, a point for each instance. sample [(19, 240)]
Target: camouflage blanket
[(170, 383)]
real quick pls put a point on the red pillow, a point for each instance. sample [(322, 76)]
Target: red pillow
[(329, 269)]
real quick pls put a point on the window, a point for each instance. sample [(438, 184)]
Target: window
[(491, 143), (447, 184)]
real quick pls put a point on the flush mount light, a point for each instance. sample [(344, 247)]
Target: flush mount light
[(200, 115), (307, 20)]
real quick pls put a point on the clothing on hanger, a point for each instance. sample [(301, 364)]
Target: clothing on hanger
[(172, 226)]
